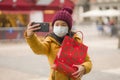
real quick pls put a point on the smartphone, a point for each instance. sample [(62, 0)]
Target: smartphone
[(44, 27)]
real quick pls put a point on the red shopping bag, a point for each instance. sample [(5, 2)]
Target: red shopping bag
[(70, 53)]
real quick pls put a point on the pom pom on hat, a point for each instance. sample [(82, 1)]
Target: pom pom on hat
[(68, 10), (65, 15)]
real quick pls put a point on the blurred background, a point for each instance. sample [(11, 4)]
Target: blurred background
[(99, 20)]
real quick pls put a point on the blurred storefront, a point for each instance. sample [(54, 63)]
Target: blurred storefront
[(83, 6), (11, 10), (15, 14), (99, 12), (106, 5)]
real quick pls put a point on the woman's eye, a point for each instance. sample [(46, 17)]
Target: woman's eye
[(64, 25), (56, 24)]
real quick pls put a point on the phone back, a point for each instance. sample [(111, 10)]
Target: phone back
[(44, 27)]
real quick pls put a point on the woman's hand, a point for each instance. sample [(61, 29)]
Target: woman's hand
[(80, 72), (31, 28)]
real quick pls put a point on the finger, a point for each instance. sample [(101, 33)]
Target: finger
[(75, 65), (53, 66), (34, 29), (75, 73), (77, 76), (30, 23), (80, 76), (34, 26)]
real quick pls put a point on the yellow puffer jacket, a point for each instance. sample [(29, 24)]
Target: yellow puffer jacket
[(49, 47)]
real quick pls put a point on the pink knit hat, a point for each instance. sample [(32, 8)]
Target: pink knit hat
[(65, 15)]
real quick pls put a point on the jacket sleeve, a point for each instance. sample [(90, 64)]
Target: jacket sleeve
[(87, 64), (37, 45)]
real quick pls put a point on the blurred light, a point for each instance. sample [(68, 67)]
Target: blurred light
[(99, 1), (0, 12), (14, 0), (1, 0), (61, 1), (49, 11), (107, 0), (75, 1), (115, 0)]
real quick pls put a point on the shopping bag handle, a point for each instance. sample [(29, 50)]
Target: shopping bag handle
[(81, 34)]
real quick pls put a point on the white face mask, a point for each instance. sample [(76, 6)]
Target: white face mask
[(60, 31)]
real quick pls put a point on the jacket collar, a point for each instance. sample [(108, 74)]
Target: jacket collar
[(54, 38)]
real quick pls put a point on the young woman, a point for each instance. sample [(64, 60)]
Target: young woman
[(62, 24)]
